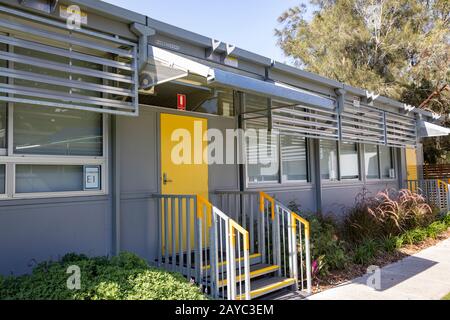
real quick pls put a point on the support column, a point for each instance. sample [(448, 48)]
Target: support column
[(317, 176)]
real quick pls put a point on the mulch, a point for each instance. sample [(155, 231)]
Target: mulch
[(338, 277)]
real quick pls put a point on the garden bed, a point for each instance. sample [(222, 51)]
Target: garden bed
[(125, 277), (338, 277), (378, 230)]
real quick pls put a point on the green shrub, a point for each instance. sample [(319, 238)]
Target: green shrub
[(125, 277), (390, 244), (366, 251), (436, 228), (326, 245)]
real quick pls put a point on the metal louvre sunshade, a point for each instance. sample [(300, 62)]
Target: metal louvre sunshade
[(307, 121), (362, 124), (401, 131), (46, 64)]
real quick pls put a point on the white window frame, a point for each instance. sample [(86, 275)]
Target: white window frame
[(11, 160)]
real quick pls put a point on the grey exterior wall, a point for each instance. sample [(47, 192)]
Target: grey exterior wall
[(32, 231)]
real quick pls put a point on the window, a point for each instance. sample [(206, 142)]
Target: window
[(262, 159), (379, 162), (45, 178), (2, 179), (329, 160), (349, 160), (294, 158), (371, 161), (56, 131), (387, 163)]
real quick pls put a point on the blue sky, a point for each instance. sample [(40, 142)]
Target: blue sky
[(248, 24)]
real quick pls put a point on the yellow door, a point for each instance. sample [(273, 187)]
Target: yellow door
[(411, 163), (183, 172)]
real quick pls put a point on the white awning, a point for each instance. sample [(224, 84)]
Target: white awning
[(164, 66), (427, 129)]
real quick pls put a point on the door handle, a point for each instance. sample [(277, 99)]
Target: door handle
[(166, 179)]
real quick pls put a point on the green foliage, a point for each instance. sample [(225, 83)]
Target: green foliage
[(366, 251), (125, 277), (326, 245)]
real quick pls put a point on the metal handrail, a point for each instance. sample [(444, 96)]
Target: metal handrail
[(286, 228), (435, 191), (221, 245)]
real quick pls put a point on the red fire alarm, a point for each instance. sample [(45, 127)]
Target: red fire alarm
[(182, 102)]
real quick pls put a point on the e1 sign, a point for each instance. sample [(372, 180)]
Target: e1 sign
[(92, 178)]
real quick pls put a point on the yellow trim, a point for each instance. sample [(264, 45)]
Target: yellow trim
[(267, 289), (253, 274), (235, 226), (252, 256), (301, 220), (201, 203), (264, 196), (441, 182)]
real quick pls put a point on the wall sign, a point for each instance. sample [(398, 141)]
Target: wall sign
[(182, 102), (92, 178)]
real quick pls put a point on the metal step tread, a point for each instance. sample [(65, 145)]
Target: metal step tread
[(256, 270), (263, 286), (252, 257)]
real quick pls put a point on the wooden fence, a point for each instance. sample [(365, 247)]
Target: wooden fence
[(438, 171)]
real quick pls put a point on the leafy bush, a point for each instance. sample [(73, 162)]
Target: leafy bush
[(389, 213), (125, 277), (366, 251), (326, 247)]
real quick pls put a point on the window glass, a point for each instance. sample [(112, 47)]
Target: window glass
[(371, 161), (2, 178), (56, 131), (46, 178), (387, 163), (262, 158), (3, 125), (294, 159), (328, 160), (349, 161), (256, 108)]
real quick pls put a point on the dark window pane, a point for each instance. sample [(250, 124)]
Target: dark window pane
[(2, 178), (56, 131), (44, 178)]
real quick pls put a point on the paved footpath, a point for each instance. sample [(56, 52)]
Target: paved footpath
[(424, 275)]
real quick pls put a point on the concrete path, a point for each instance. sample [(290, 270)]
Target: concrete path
[(424, 276)]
